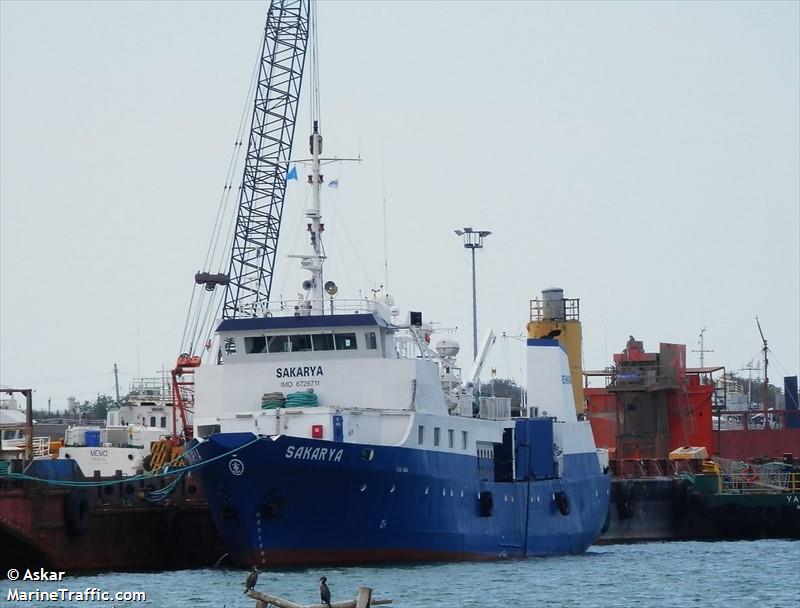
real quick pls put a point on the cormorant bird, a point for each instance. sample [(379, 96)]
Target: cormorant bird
[(324, 592), (250, 583)]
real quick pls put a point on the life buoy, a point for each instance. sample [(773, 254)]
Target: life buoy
[(76, 512), (749, 475), (562, 502)]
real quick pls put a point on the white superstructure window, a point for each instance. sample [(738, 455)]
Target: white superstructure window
[(300, 343), (323, 341), (372, 341), (436, 433), (278, 344), (451, 441), (420, 434), (345, 341), (463, 440), (255, 344)]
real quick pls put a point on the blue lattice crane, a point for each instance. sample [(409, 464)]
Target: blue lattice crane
[(261, 194)]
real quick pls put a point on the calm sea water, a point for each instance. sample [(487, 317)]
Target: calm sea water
[(765, 574)]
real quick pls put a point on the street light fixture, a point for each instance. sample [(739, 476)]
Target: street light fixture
[(473, 239)]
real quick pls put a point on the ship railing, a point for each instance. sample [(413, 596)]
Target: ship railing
[(571, 310), (155, 389), (41, 445), (744, 483), (756, 420), (306, 307), (747, 478)]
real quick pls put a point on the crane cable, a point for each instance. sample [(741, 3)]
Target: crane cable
[(199, 316)]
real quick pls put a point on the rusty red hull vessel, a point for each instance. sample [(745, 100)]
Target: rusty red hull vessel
[(109, 528), (652, 404)]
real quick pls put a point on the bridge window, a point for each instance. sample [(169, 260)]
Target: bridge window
[(436, 433), (420, 434), (322, 341), (300, 343), (255, 344), (278, 344), (163, 422), (152, 420), (372, 342), (345, 341)]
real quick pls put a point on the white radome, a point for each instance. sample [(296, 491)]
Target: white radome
[(447, 347)]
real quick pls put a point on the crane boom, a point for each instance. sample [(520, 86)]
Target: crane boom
[(261, 195), (258, 220)]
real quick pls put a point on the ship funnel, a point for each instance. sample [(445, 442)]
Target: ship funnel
[(557, 318), (550, 380), (553, 302)]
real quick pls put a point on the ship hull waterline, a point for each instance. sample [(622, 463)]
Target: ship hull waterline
[(290, 501)]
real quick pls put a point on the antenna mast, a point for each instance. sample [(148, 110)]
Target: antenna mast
[(764, 349), (702, 349)]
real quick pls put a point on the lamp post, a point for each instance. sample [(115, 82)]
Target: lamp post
[(473, 239)]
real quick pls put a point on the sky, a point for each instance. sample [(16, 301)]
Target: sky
[(644, 157)]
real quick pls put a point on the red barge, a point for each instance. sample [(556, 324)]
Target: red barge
[(652, 405)]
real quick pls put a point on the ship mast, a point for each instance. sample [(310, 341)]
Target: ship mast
[(765, 350)]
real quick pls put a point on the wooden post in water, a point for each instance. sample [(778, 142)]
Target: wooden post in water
[(363, 600)]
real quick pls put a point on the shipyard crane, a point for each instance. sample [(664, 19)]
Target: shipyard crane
[(248, 280)]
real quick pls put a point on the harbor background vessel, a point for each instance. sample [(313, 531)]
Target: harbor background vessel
[(656, 417), (89, 505)]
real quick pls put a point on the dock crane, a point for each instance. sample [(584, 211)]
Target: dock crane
[(248, 282)]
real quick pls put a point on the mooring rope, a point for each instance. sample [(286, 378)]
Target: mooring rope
[(144, 477)]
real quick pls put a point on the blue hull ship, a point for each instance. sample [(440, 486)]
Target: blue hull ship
[(334, 431)]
